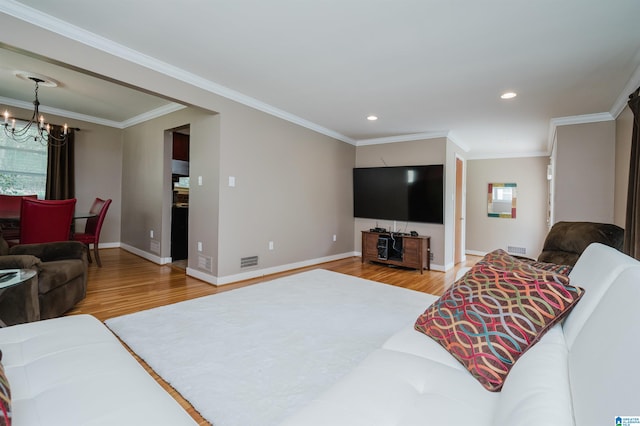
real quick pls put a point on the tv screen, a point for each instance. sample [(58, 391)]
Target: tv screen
[(406, 193)]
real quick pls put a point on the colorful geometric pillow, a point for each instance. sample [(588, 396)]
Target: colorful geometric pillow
[(495, 312), (5, 398)]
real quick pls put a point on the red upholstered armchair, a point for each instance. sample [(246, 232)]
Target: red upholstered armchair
[(44, 221), (91, 234)]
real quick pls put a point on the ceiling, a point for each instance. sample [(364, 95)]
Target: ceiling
[(426, 68)]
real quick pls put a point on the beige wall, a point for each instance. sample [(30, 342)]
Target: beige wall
[(146, 187), (292, 188), (529, 228), (585, 172), (421, 152), (624, 130), (98, 155)]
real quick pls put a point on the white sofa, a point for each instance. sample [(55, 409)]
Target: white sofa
[(73, 371), (585, 371)]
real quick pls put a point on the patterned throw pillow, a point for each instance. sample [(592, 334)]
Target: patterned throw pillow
[(495, 312), (5, 398)]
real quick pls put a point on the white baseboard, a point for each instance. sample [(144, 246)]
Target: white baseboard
[(476, 253), (212, 279), (146, 255)]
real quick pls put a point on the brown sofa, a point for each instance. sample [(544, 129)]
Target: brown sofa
[(61, 279), (567, 240)]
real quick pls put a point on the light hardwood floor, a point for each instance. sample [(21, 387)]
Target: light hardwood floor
[(127, 283)]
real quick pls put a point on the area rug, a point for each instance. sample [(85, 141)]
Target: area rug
[(255, 355)]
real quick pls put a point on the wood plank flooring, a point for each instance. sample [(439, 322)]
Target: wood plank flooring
[(127, 283)]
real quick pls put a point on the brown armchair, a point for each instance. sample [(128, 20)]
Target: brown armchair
[(567, 240), (62, 274)]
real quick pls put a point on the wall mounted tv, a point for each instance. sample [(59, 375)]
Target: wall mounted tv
[(405, 193)]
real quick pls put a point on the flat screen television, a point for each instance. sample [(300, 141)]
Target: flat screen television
[(404, 193)]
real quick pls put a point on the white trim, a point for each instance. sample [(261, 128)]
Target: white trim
[(476, 253), (630, 87), (202, 276), (63, 113), (582, 119), (402, 138), (574, 119), (65, 29), (453, 138), (149, 115), (492, 156), (229, 279), (146, 255), (108, 245)]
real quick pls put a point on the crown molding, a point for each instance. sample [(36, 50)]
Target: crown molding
[(70, 31), (575, 119), (61, 112), (496, 156), (582, 119), (630, 87), (149, 115), (402, 138)]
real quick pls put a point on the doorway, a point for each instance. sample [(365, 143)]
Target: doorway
[(180, 202)]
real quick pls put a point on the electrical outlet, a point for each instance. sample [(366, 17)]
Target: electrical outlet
[(199, 245), (151, 234), (334, 237), (270, 245)]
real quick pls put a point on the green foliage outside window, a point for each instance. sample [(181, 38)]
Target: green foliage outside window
[(23, 167)]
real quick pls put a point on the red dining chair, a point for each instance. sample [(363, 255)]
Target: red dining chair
[(45, 221), (10, 206), (91, 234)]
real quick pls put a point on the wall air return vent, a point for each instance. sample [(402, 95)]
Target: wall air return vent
[(247, 262), (205, 262)]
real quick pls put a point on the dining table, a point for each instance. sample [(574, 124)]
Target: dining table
[(9, 220)]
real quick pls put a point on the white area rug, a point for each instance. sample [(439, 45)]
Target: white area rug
[(255, 355)]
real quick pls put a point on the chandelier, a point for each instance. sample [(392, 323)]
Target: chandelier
[(35, 129)]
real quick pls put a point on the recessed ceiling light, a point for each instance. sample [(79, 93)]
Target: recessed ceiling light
[(508, 95), (372, 118)]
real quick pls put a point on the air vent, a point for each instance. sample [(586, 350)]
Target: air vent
[(154, 246), (516, 250), (247, 262), (205, 262)]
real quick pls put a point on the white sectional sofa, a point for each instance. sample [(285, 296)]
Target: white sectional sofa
[(584, 371), (73, 371)]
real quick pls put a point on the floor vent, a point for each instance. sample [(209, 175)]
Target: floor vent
[(516, 250), (247, 262), (205, 262)]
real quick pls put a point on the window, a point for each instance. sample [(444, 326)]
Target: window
[(23, 166)]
